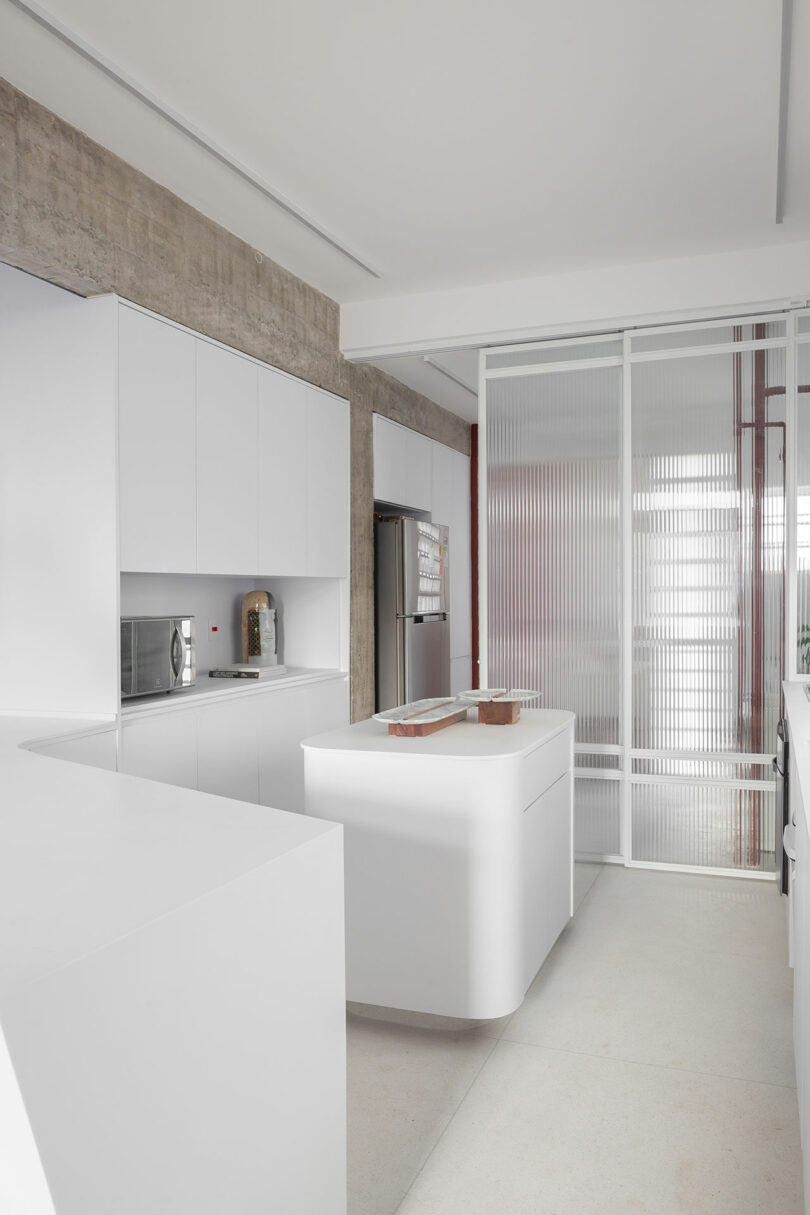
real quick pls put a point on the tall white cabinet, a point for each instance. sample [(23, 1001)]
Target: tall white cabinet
[(419, 474)]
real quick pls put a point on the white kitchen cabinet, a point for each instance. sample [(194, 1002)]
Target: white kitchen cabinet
[(156, 445), (161, 747), (327, 486), (450, 504), (227, 472), (227, 734), (302, 711), (282, 724), (283, 468), (241, 746), (403, 465)]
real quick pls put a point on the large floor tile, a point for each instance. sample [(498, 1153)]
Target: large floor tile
[(613, 986), (404, 1085), (585, 874), (551, 1133), (724, 915)]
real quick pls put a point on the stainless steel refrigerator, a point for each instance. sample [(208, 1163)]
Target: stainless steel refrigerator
[(412, 602)]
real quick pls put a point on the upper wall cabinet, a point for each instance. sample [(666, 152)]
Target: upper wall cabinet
[(227, 474), (328, 487), (226, 466), (282, 448), (156, 444), (403, 464)]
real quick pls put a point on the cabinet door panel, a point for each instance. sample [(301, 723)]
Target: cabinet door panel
[(328, 706), (227, 758), (451, 505), (283, 468), (283, 723), (161, 748), (403, 464), (328, 487), (227, 481), (156, 443)]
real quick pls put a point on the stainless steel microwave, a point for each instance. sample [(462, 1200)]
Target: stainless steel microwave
[(157, 654)]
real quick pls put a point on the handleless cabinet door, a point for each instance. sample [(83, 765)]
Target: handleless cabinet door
[(328, 486), (403, 462), (227, 481), (163, 747), (282, 452), (227, 762), (451, 505), (283, 722), (156, 443)]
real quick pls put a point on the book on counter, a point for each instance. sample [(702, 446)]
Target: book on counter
[(245, 670)]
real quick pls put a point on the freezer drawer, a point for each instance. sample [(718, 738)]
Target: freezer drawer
[(426, 651)]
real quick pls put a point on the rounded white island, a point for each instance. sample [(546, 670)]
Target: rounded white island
[(458, 857)]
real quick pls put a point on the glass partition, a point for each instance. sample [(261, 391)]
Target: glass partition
[(671, 652)]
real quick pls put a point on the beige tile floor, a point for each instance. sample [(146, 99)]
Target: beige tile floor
[(649, 1070)]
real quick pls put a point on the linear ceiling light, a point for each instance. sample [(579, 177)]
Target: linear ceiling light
[(456, 379), (784, 92), (63, 32)]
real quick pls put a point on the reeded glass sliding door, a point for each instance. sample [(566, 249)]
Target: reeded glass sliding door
[(635, 537), (553, 449)]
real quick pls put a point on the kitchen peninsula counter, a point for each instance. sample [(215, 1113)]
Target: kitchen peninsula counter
[(458, 857), (157, 945)]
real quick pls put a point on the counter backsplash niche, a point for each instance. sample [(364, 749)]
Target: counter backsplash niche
[(310, 611)]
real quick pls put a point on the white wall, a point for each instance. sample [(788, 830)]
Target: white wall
[(58, 583), (586, 300)]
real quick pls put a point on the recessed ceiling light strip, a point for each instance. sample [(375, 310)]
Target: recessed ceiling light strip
[(63, 32), (784, 93), (456, 379)]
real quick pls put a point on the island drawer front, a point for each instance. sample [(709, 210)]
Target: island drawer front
[(543, 766)]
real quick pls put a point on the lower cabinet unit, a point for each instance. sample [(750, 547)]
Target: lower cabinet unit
[(247, 747), (163, 747), (227, 739)]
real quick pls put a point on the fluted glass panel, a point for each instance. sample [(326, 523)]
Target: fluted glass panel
[(596, 817), (530, 356), (706, 825), (708, 581), (803, 507), (553, 542)]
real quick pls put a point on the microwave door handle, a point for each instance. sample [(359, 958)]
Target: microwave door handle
[(178, 653)]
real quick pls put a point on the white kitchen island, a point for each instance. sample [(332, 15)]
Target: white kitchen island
[(458, 857)]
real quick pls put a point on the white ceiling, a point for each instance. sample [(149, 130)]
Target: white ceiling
[(448, 143)]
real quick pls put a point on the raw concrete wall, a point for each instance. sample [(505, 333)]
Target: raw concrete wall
[(73, 213)]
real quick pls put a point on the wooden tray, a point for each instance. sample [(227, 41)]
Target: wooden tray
[(422, 717), (418, 729)]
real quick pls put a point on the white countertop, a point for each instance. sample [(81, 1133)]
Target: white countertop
[(466, 739), (206, 689), (88, 856)]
